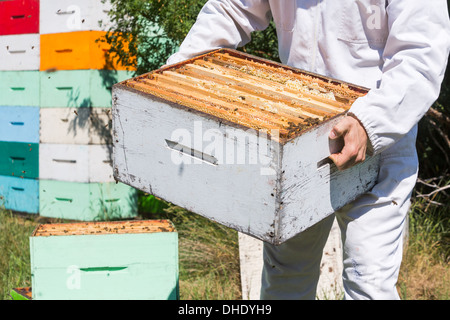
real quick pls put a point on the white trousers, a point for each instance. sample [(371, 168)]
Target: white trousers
[(372, 237)]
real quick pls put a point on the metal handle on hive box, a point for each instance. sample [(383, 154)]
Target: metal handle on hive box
[(335, 146)]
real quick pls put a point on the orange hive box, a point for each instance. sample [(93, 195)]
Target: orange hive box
[(77, 50)]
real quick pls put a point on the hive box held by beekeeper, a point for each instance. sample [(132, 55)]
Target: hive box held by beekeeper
[(240, 140), (117, 260)]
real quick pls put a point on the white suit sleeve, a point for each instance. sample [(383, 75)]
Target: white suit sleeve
[(223, 24), (415, 59)]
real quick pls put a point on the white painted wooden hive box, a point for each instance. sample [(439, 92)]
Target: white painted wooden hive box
[(240, 140)]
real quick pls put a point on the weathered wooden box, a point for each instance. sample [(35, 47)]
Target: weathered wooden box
[(237, 139), (105, 260)]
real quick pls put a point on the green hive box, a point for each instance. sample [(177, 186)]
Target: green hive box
[(19, 88), (19, 159), (105, 261), (65, 89), (86, 201), (101, 85), (79, 88)]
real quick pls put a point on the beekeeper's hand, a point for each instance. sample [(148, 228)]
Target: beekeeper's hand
[(355, 142)]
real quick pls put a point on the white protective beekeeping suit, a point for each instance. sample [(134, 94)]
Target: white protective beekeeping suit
[(398, 49)]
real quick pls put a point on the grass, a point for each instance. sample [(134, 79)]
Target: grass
[(209, 256), (425, 272), (14, 249)]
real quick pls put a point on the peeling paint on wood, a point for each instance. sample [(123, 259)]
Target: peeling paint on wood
[(240, 140)]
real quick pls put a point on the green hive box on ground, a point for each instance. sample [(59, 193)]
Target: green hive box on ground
[(105, 261)]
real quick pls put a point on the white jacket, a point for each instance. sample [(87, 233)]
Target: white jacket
[(397, 48)]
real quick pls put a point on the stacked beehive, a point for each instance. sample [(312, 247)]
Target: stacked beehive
[(19, 105), (57, 78)]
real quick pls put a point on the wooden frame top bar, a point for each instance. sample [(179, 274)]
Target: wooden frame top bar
[(250, 91), (102, 228)]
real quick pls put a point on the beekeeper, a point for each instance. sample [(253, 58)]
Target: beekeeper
[(398, 49)]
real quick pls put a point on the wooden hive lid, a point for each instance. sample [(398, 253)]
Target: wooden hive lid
[(102, 228), (248, 91)]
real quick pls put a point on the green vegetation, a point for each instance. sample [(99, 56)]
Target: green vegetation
[(15, 253), (155, 29), (425, 272)]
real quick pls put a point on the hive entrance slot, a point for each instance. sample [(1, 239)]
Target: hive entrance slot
[(64, 161), (103, 269), (175, 146), (64, 50)]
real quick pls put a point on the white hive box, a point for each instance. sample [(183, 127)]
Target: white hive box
[(71, 16), (75, 163), (20, 52), (240, 140), (75, 125)]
